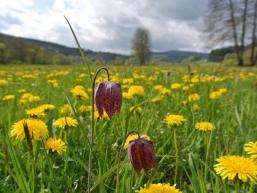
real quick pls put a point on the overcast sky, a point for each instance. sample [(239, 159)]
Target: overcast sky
[(108, 25)]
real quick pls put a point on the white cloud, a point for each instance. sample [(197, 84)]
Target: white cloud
[(106, 25)]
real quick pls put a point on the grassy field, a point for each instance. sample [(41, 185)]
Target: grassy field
[(186, 152)]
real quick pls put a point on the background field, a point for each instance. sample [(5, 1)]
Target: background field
[(185, 155)]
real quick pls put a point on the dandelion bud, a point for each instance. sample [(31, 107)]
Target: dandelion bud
[(141, 154), (108, 98)]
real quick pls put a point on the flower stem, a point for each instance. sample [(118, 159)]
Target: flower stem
[(237, 188), (176, 154), (90, 156)]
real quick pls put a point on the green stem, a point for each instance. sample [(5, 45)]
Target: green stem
[(237, 188), (93, 129), (176, 153)]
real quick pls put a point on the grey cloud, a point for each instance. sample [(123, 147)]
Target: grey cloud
[(8, 20)]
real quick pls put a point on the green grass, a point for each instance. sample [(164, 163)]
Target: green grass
[(234, 115)]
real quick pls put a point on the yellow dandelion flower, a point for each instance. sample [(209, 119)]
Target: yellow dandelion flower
[(8, 97), (204, 126), (36, 112), (195, 107), (97, 116), (54, 83), (136, 109), (64, 122), (193, 97), (55, 145), (132, 137), (65, 109), (22, 91), (159, 188), (127, 95), (3, 82), (156, 99), (136, 90), (158, 87), (37, 129), (165, 91), (234, 167), (174, 120), (128, 81), (251, 149), (85, 108), (176, 86), (79, 92), (46, 107)]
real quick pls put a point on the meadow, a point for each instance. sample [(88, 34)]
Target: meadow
[(200, 119)]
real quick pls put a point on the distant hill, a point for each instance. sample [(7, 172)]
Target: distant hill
[(177, 56), (25, 50)]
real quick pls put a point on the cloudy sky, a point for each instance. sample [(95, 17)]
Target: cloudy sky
[(108, 25)]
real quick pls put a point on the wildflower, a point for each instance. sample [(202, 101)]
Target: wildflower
[(46, 107), (127, 95), (158, 87), (234, 167), (159, 188), (164, 91), (21, 91), (64, 122), (174, 120), (132, 137), (55, 145), (195, 107), (136, 90), (128, 81), (3, 82), (141, 154), (79, 92), (108, 98), (36, 112), (28, 97), (193, 97), (251, 149), (37, 129), (175, 86), (135, 109), (65, 109), (8, 97), (83, 108), (156, 99), (97, 116), (204, 126), (54, 83)]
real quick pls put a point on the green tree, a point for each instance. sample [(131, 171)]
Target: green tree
[(141, 46)]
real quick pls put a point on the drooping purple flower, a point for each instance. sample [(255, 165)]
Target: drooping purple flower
[(108, 98), (141, 154)]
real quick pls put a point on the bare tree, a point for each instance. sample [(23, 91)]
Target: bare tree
[(253, 56), (141, 46), (228, 22)]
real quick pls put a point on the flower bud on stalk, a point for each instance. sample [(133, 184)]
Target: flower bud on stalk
[(108, 98), (141, 154)]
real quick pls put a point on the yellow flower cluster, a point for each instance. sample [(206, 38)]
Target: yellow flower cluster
[(218, 93), (65, 122), (174, 120), (80, 92), (55, 145), (204, 126), (37, 129), (234, 167), (159, 188)]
